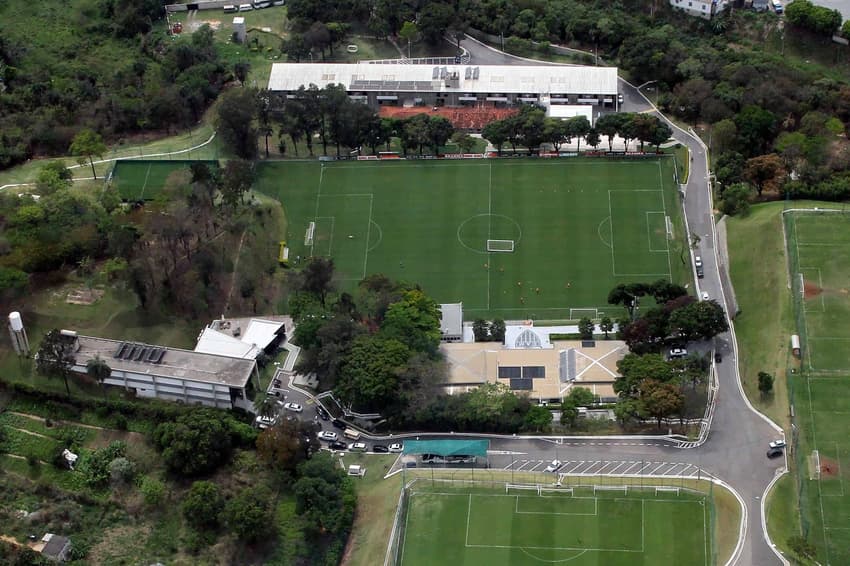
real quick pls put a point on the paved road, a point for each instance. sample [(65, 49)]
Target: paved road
[(735, 449)]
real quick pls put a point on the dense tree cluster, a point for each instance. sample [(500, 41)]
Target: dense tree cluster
[(112, 75), (818, 19), (378, 351), (530, 128), (676, 318)]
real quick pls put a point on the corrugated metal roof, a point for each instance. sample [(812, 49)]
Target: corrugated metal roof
[(517, 79)]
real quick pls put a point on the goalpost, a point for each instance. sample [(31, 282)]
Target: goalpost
[(598, 488), (308, 237), (500, 245), (523, 486)]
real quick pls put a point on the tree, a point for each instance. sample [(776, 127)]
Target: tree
[(635, 368), (765, 172), (464, 142), (555, 131), (496, 133), (202, 505), (699, 320), (736, 199), (369, 376), (318, 37), (497, 330), (481, 330), (439, 132), (56, 356), (414, 320), (98, 370), (250, 513), (266, 405), (287, 444), (324, 496), (845, 29), (593, 139), (237, 177), (765, 383), (724, 135), (409, 33), (756, 128), (241, 70), (434, 19), (577, 397), (608, 125), (153, 491), (318, 277), (538, 419), (237, 112), (194, 443), (606, 325), (586, 328), (52, 177), (87, 143), (577, 128), (660, 400)]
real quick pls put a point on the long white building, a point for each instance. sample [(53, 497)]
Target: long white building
[(454, 85)]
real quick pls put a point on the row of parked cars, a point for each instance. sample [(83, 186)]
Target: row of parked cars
[(257, 5)]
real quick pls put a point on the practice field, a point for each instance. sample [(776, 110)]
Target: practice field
[(137, 179), (819, 250), (509, 238), (475, 526)]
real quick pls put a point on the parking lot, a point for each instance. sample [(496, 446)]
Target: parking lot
[(609, 468)]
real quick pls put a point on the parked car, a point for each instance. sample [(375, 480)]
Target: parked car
[(553, 467), (704, 296), (294, 407), (777, 444), (277, 383), (396, 447), (774, 453), (358, 447), (678, 353), (263, 423), (328, 435), (323, 414), (380, 449), (338, 424), (718, 357), (619, 99), (337, 445)]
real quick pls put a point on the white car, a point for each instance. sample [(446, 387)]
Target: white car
[(294, 407), (328, 435), (704, 296), (396, 447), (777, 444), (358, 447), (553, 467), (678, 353)]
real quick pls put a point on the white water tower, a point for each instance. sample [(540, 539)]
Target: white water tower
[(20, 342)]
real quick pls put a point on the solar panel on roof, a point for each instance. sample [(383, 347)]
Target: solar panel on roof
[(588, 343), (130, 352), (160, 352), (533, 372), (522, 384), (508, 372), (120, 351), (140, 355)]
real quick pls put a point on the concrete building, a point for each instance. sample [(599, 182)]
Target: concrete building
[(529, 361), (454, 85), (243, 338), (54, 548), (169, 373), (451, 322), (700, 8), (240, 32)]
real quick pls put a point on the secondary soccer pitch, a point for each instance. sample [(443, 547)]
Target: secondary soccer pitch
[(472, 526), (819, 250), (578, 227), (142, 179)]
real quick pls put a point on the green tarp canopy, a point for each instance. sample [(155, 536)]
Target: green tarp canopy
[(447, 447)]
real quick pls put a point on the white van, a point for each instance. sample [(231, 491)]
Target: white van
[(777, 6), (245, 7), (263, 423), (230, 8), (351, 433)]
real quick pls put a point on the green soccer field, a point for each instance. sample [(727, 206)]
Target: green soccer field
[(819, 250), (144, 179), (577, 228), (446, 525)]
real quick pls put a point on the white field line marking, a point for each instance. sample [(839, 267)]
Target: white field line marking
[(705, 534), (664, 207), (468, 515), (649, 232), (145, 183), (316, 214), (368, 235), (489, 227), (406, 524), (820, 492), (611, 216), (594, 514)]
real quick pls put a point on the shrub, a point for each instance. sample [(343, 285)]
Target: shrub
[(95, 465), (152, 490), (203, 505), (121, 470), (119, 421)]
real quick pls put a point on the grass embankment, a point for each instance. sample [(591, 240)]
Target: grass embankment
[(760, 278)]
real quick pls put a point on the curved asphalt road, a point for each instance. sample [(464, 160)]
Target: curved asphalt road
[(736, 446)]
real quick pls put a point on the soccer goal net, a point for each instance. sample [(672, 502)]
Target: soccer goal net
[(601, 488), (500, 245), (509, 487), (308, 237)]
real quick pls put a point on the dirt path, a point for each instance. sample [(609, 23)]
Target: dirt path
[(235, 271), (70, 423), (31, 433)]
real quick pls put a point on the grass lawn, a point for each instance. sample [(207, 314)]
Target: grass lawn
[(490, 526), (759, 275), (578, 228), (144, 179)]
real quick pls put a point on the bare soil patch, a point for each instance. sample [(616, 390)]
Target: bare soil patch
[(811, 290), (829, 468)]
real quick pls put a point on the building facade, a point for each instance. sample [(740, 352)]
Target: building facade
[(454, 85)]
